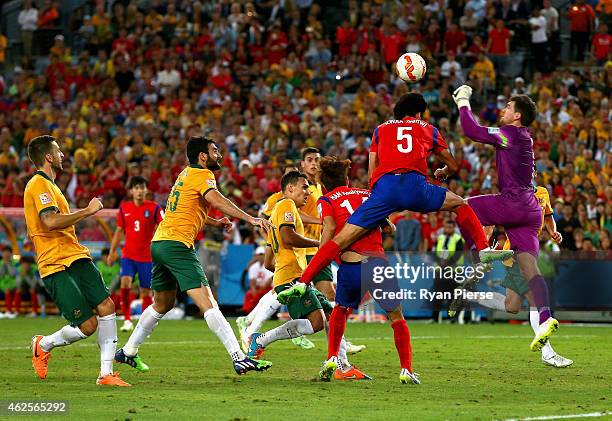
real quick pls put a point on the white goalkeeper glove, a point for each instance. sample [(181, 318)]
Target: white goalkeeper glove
[(462, 96)]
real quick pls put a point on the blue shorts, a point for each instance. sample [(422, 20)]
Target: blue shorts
[(131, 267), (355, 279), (395, 193)]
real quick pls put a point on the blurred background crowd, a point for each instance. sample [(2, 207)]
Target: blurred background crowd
[(123, 84)]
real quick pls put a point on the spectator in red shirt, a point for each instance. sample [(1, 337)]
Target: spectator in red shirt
[(276, 45), (454, 39), (582, 20), (498, 46), (391, 42), (601, 44), (49, 17), (346, 37)]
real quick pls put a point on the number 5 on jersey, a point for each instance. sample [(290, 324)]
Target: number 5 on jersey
[(405, 139)]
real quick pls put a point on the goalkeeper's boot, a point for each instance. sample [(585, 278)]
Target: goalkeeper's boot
[(40, 358), (328, 368), (557, 360), (251, 364), (353, 373), (112, 380), (408, 377), (545, 331), (133, 361), (242, 324), (489, 255), (303, 342), (296, 290), (255, 350)]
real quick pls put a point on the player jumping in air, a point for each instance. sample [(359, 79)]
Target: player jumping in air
[(397, 170), (138, 219), (175, 264), (286, 255), (516, 208), (72, 280), (517, 288), (336, 207)]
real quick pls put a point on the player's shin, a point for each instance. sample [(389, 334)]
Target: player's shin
[(401, 336), (107, 341), (337, 326), (539, 289), (470, 226), (328, 252), (219, 325), (269, 306), (147, 322), (65, 336), (288, 330)]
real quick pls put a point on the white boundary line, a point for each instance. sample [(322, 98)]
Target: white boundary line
[(561, 417)]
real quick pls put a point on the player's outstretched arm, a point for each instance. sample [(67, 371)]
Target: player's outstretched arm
[(226, 206), (551, 227), (112, 254), (470, 126), (54, 220), (269, 262), (293, 239), (307, 219), (329, 229), (450, 165)]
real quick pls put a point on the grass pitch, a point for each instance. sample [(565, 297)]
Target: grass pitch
[(468, 372)]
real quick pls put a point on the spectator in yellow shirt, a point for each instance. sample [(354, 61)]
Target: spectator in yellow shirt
[(483, 74)]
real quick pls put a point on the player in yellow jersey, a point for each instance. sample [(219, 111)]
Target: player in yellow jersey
[(65, 266), (175, 264), (517, 288), (286, 255)]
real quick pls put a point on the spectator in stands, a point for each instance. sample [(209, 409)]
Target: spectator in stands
[(498, 46), (582, 23), (552, 32), (455, 40), (601, 45), (259, 278), (451, 66), (483, 75), (49, 15), (8, 276), (469, 23), (539, 41), (407, 233), (28, 23)]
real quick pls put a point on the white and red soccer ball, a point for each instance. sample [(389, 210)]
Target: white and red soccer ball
[(411, 67)]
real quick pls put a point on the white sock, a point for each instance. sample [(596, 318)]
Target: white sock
[(260, 305), (288, 330), (219, 325), (147, 322), (65, 336), (107, 341), (495, 303), (269, 306), (534, 320)]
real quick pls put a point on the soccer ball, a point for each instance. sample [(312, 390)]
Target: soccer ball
[(411, 67)]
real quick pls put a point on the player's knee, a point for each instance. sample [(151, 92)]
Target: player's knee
[(317, 321), (89, 326), (512, 306), (126, 282), (106, 307)]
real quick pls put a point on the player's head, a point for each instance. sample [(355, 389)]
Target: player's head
[(519, 111), (411, 104), (334, 172), (203, 151), (289, 168), (137, 187), (310, 162), (294, 186), (44, 150)]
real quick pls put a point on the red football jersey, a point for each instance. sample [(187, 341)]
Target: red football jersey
[(340, 204), (138, 223), (404, 146)]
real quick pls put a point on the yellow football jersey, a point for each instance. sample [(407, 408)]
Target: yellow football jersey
[(266, 210), (290, 262), (544, 200), (55, 250), (313, 231), (187, 209)]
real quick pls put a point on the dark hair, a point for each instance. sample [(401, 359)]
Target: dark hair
[(7, 248), (309, 150), (137, 180), (409, 104), (526, 107), (197, 145), (334, 172), (105, 250), (38, 148), (291, 177)]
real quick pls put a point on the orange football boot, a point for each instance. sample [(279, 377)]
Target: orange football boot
[(40, 358), (112, 380), (352, 374)]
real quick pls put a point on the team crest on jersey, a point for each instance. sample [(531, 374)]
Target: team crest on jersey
[(289, 217), (45, 199), (147, 214), (211, 183), (76, 313)]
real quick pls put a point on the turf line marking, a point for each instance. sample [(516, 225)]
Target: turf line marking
[(560, 417)]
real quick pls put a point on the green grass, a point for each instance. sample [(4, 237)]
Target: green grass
[(468, 372)]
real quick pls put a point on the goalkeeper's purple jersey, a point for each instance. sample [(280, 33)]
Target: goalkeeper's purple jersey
[(514, 152)]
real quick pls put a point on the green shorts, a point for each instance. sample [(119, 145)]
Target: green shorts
[(175, 264), (515, 280), (77, 290), (312, 300), (325, 275)]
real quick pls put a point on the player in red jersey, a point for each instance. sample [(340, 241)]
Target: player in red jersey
[(137, 219), (335, 208), (398, 168)]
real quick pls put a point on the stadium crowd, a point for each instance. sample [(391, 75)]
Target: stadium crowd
[(123, 87)]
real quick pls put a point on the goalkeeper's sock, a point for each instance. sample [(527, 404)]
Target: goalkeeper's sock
[(125, 303), (323, 258), (539, 289), (401, 335), (147, 300), (289, 330), (147, 322), (219, 325), (470, 227), (337, 325), (269, 306), (498, 302), (534, 320), (65, 336), (107, 341)]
